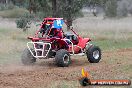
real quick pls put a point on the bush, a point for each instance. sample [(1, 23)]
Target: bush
[(24, 21)]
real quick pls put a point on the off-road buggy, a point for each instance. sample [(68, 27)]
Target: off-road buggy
[(51, 42)]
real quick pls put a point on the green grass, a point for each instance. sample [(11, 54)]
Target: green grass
[(12, 44), (113, 44), (16, 12), (2, 30), (64, 84), (9, 58)]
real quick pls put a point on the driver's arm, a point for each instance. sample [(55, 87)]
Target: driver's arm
[(41, 32)]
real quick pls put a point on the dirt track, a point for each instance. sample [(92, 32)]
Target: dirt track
[(45, 74)]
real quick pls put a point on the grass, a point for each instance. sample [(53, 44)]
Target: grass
[(13, 42), (16, 12), (109, 45), (65, 84)]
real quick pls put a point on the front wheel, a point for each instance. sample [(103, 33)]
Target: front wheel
[(93, 54), (62, 58), (27, 58)]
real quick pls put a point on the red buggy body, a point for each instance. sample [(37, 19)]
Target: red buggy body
[(51, 42)]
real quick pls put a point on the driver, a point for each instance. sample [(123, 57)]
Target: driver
[(51, 28), (57, 33), (51, 32), (44, 30)]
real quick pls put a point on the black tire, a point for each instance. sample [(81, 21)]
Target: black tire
[(93, 54), (27, 58), (62, 58)]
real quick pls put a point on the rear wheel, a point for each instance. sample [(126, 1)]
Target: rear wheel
[(93, 54), (62, 58), (27, 58)]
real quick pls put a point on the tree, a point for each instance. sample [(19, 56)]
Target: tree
[(54, 8), (111, 8), (24, 22), (69, 9)]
